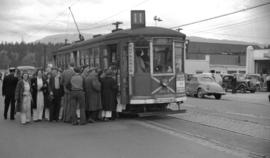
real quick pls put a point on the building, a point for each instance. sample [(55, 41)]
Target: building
[(221, 57), (197, 66), (258, 61)]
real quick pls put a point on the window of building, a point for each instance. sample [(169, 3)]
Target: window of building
[(163, 55)]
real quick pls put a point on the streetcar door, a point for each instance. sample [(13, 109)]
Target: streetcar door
[(140, 78), (163, 67)]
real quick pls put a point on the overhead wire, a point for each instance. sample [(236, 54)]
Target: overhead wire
[(54, 19), (233, 35), (220, 16), (256, 18), (109, 17)]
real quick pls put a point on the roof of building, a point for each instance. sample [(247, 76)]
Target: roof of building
[(215, 48)]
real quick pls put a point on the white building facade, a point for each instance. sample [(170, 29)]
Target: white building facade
[(258, 61)]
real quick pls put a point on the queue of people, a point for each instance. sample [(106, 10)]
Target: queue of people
[(54, 95)]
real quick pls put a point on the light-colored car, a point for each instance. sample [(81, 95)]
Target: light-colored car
[(29, 69), (202, 85)]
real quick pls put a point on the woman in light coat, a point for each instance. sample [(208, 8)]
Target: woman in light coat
[(23, 98)]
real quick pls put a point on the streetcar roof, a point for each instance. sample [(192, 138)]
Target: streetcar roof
[(145, 31)]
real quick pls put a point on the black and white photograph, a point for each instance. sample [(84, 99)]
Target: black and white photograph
[(135, 79)]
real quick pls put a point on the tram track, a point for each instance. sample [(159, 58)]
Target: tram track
[(236, 125), (257, 119), (199, 139)]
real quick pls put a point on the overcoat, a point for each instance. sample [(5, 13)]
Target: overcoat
[(9, 85), (19, 95), (52, 86), (108, 93), (92, 93)]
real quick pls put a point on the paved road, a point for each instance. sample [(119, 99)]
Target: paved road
[(123, 138), (238, 121), (194, 134)]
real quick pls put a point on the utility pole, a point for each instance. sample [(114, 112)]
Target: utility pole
[(157, 19), (179, 29), (117, 23)]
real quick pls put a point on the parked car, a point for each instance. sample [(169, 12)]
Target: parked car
[(256, 80), (215, 76), (201, 85), (242, 84), (30, 69)]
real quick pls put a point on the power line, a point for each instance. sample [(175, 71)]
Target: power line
[(257, 18), (234, 35), (219, 16), (96, 27), (138, 4), (54, 19)]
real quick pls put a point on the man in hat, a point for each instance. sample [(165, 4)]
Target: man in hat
[(8, 91), (77, 96)]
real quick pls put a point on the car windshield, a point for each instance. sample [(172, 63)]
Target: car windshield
[(241, 77), (206, 79), (252, 77)]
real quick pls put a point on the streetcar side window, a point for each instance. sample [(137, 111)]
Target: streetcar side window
[(96, 57), (163, 55)]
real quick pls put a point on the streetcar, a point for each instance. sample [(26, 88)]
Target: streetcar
[(149, 63)]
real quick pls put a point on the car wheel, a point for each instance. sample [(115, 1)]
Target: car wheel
[(218, 96), (258, 88), (252, 91), (242, 89), (200, 93)]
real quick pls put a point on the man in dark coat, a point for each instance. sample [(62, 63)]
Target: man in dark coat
[(8, 91), (234, 83), (92, 95), (56, 92)]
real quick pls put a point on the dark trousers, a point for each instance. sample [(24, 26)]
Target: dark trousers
[(93, 115), (55, 105), (77, 97), (268, 86), (9, 100)]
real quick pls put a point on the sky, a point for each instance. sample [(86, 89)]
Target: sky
[(30, 20)]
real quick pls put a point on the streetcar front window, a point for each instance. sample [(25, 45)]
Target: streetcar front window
[(142, 56), (142, 60), (163, 55)]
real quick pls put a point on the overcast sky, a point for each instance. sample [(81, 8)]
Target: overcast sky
[(33, 19)]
